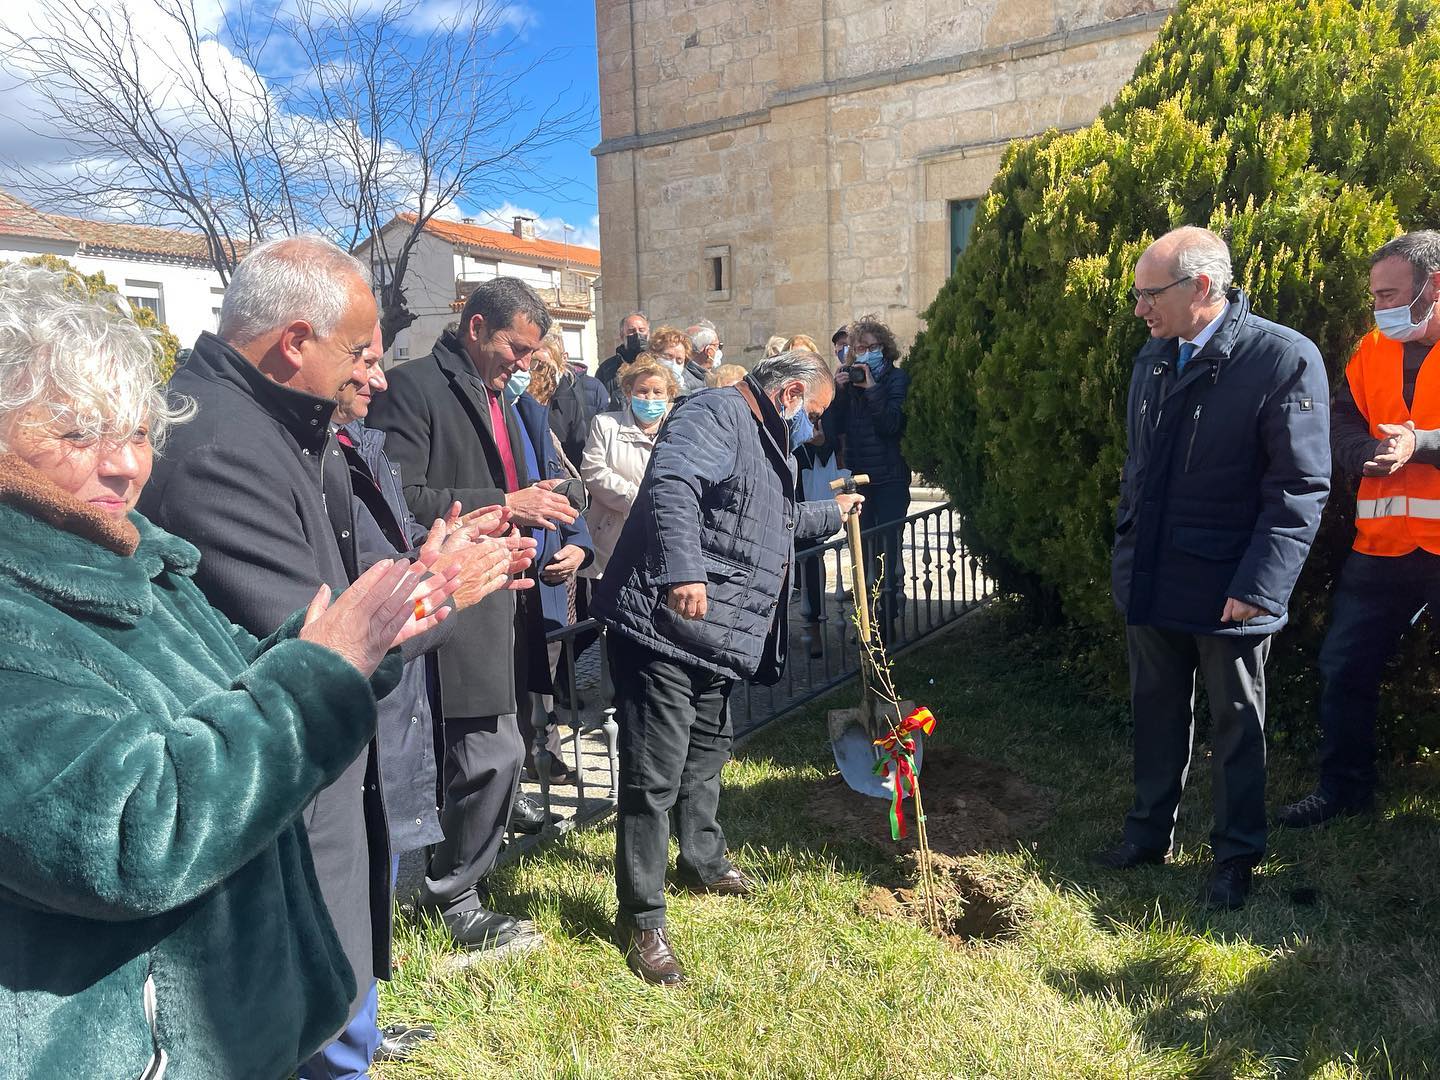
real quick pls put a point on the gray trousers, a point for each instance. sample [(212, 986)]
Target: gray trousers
[(481, 771), (1163, 664)]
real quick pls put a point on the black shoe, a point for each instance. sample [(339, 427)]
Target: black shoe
[(1229, 884), (527, 817), (1318, 808), (398, 1041), (1127, 856), (480, 929)]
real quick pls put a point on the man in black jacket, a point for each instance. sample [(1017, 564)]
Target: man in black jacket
[(257, 483), (634, 337), (454, 439), (1220, 498), (694, 599)]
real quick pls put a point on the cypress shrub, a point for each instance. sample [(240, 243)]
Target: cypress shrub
[(1307, 132)]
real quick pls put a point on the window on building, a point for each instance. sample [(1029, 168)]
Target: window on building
[(217, 297), (146, 294), (962, 221), (575, 342), (716, 272), (402, 353)]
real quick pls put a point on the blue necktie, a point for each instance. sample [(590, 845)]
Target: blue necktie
[(1187, 350)]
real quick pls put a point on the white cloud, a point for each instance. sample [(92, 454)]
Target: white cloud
[(548, 228)]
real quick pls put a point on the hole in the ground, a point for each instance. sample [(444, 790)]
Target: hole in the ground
[(973, 906)]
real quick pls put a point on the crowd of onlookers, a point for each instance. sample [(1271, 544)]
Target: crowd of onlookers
[(267, 628)]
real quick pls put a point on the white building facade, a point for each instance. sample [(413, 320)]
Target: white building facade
[(165, 270)]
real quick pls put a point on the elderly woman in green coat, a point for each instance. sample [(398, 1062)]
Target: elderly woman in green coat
[(159, 914)]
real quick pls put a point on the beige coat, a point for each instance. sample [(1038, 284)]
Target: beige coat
[(616, 454)]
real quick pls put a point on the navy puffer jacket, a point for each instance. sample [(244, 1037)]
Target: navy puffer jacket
[(872, 422), (717, 505), (1228, 471)]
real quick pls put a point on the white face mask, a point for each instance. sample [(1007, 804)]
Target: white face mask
[(1395, 322), (719, 357)]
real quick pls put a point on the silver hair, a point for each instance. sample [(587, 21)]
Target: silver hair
[(67, 356), (1421, 249), (292, 279), (704, 336), (775, 371), (1199, 251), (632, 315)]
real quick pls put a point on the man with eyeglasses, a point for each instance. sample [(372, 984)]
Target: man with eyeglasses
[(1220, 497)]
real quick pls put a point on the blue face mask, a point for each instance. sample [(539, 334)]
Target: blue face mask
[(874, 360), (802, 428), (648, 410), (518, 384)]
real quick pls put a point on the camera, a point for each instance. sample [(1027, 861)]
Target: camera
[(858, 374)]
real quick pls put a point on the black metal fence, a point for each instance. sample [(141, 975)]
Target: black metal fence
[(923, 578)]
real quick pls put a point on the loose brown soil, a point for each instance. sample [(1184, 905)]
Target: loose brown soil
[(972, 906), (971, 805)]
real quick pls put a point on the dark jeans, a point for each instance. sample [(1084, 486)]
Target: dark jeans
[(674, 739), (1376, 600), (885, 504), (483, 756), (1163, 664)]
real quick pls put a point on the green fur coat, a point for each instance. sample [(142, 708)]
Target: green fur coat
[(159, 915)]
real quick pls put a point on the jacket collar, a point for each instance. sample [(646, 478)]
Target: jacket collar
[(304, 415), (1166, 351), (57, 551), (369, 441), (774, 431)]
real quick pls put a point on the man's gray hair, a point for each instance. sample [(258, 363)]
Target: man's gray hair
[(802, 364), (291, 279), (501, 301), (1199, 251), (632, 315), (703, 334), (1421, 249), (66, 356)]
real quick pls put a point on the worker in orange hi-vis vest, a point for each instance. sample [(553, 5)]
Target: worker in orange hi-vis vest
[(1385, 430)]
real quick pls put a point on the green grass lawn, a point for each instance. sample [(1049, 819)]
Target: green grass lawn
[(1109, 975)]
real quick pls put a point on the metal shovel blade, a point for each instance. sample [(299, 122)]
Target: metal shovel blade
[(856, 754)]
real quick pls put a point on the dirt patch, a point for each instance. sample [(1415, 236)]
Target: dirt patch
[(971, 805), (973, 906)]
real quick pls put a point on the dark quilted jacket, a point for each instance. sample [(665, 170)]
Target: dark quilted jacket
[(872, 422), (717, 505)]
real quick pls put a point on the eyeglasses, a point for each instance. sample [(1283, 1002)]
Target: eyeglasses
[(1149, 295)]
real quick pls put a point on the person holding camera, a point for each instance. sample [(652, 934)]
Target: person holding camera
[(867, 419)]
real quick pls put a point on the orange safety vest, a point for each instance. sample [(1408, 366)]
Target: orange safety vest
[(1396, 514)]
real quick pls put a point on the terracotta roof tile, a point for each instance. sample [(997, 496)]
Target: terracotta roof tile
[(505, 243), (18, 219), (109, 236)]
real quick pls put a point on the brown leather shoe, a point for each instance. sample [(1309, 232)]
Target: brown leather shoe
[(647, 954), (731, 883)]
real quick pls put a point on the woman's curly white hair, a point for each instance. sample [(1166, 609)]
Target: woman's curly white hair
[(67, 356)]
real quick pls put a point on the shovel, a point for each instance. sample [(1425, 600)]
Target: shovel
[(853, 731)]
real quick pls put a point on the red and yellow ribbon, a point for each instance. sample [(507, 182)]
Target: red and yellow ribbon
[(899, 749)]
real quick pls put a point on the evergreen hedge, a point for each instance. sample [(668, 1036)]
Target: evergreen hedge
[(1307, 132)]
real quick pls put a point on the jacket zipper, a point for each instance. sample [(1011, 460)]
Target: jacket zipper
[(1194, 430), (159, 1060)]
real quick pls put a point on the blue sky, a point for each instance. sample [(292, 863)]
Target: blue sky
[(566, 27), (558, 34)]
